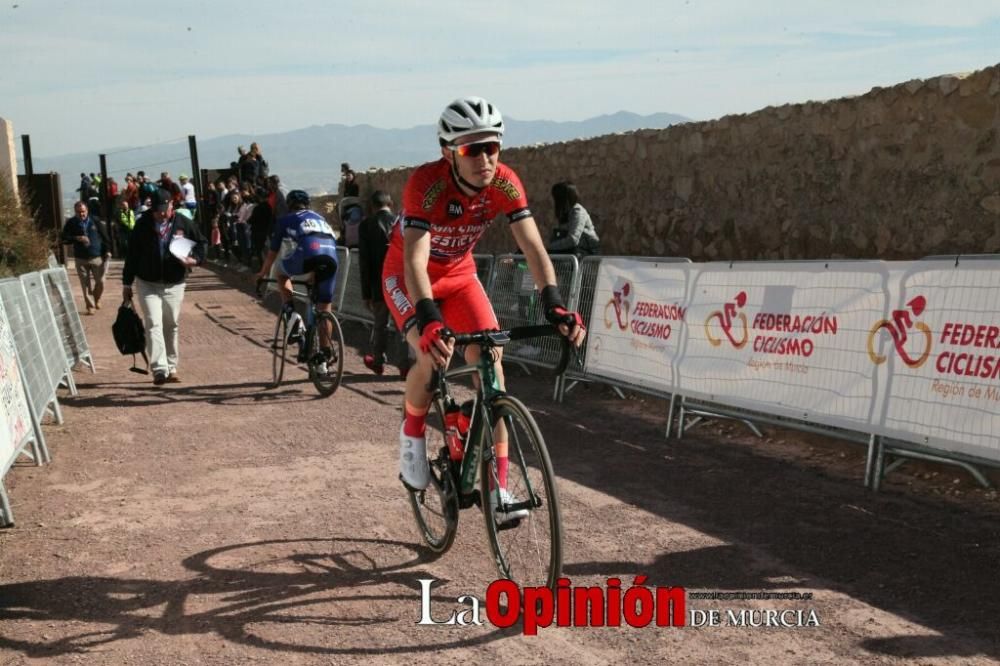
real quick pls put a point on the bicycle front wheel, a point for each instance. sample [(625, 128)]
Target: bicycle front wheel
[(327, 380), (279, 350), (436, 507), (523, 524)]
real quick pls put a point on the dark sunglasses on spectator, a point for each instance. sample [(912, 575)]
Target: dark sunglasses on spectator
[(491, 148)]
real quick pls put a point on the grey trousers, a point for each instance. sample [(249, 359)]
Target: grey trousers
[(95, 268), (161, 307)]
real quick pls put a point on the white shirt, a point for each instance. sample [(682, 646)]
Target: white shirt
[(188, 190)]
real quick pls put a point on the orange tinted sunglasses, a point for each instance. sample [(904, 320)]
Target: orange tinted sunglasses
[(491, 148)]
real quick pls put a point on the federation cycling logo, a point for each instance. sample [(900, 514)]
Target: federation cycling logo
[(725, 318), (621, 301), (897, 330)]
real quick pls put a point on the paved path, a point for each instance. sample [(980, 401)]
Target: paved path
[(222, 522)]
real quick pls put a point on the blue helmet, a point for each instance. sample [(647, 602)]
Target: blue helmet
[(297, 198)]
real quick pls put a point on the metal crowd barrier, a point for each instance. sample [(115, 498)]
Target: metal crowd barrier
[(484, 269), (584, 291), (353, 305), (39, 389), (44, 323), (68, 323), (16, 421), (516, 303)]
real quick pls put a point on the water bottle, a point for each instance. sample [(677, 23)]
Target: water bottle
[(452, 433), (464, 418)]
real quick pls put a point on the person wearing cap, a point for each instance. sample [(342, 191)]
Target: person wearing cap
[(159, 274), (187, 193)]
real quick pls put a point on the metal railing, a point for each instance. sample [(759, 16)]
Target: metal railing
[(68, 323)]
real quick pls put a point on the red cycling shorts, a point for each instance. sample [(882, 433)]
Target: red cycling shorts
[(456, 289)]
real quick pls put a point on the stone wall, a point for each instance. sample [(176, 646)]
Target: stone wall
[(898, 173)]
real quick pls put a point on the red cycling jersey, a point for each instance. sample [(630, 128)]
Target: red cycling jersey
[(433, 201)]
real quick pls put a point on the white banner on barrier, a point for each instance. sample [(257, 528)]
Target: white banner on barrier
[(939, 351), (635, 324), (15, 419), (787, 339)]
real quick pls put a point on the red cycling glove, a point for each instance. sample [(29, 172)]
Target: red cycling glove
[(556, 313), (560, 315), (431, 333)]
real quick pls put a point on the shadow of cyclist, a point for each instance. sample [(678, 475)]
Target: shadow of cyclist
[(269, 587)]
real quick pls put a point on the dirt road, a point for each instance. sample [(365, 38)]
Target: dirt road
[(221, 522)]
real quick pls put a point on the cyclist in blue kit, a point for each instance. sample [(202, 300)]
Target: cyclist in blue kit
[(315, 252)]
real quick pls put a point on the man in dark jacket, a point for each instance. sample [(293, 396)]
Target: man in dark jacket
[(158, 262), (91, 251), (373, 243)]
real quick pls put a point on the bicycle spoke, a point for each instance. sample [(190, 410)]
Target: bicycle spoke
[(326, 382), (436, 508), (527, 549), (279, 347)]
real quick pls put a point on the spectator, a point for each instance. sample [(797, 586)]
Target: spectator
[(147, 188), (188, 197), (91, 250), (248, 168), (167, 183), (261, 221), (159, 279), (351, 188), (233, 227), (125, 220), (131, 194), (221, 195), (276, 197), (574, 232), (262, 166), (351, 214), (84, 188), (373, 244)]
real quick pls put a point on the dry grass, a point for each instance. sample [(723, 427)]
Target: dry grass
[(23, 246)]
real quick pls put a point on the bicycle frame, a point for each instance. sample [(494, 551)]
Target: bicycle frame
[(480, 433)]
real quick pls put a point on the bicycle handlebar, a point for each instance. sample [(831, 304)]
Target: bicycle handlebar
[(491, 339), (262, 281)]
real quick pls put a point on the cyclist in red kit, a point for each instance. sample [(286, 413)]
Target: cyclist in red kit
[(429, 277)]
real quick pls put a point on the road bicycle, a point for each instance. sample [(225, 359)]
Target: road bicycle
[(527, 549), (325, 373)]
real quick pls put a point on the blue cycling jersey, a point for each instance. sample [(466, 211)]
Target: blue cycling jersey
[(299, 226)]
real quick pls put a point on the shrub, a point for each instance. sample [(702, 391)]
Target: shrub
[(23, 246)]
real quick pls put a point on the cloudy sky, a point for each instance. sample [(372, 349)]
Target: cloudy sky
[(93, 76)]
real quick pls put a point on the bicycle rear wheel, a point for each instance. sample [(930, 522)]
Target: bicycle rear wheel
[(279, 349), (327, 382), (436, 507), (527, 550)]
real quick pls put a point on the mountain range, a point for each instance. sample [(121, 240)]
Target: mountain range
[(309, 158)]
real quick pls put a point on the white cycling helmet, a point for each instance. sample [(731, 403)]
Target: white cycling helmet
[(469, 115)]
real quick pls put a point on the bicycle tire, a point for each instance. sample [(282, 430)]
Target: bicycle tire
[(436, 507), (327, 384), (279, 349), (529, 550)]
